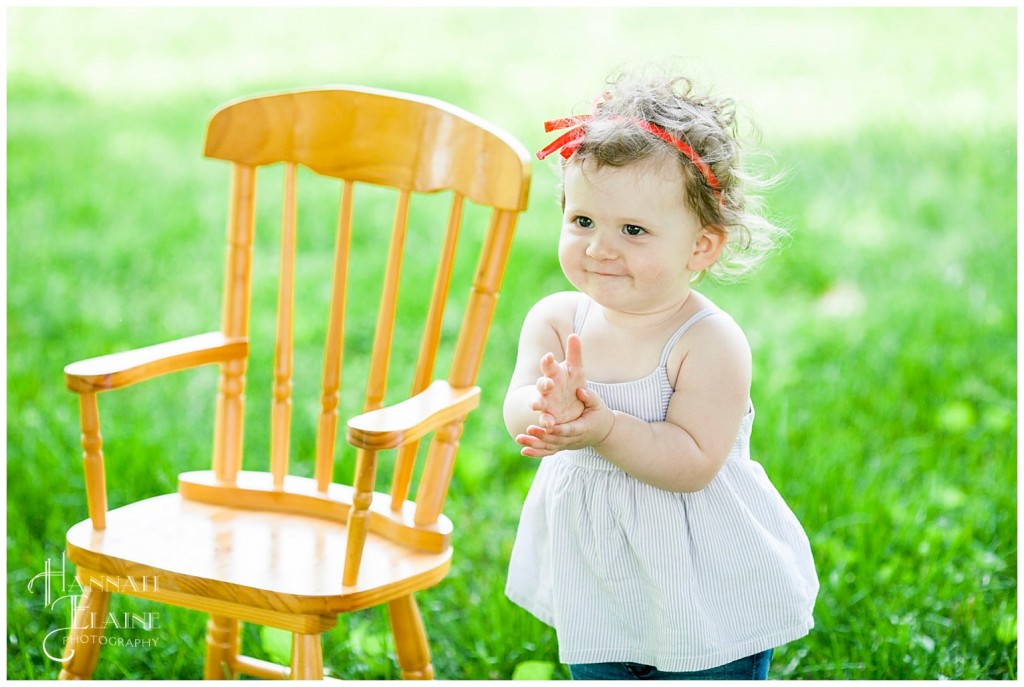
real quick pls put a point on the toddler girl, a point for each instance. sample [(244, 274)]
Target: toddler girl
[(649, 539)]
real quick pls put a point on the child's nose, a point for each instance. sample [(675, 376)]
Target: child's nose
[(600, 247)]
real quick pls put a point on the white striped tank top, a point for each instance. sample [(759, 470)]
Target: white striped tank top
[(625, 571)]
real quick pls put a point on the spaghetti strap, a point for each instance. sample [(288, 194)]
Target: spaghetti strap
[(582, 308), (682, 330)]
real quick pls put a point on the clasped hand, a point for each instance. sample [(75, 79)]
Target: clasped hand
[(571, 415)]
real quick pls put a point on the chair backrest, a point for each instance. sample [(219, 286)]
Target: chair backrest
[(365, 137)]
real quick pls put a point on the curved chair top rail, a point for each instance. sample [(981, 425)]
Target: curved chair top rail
[(315, 128)]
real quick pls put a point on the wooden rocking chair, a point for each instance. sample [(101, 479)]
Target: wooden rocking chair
[(281, 550)]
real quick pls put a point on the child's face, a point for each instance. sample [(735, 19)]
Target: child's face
[(627, 235)]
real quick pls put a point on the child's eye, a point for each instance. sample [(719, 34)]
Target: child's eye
[(633, 230), (583, 222)]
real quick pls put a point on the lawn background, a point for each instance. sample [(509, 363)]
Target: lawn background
[(884, 335)]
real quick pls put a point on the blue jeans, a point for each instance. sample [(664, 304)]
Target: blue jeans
[(750, 668)]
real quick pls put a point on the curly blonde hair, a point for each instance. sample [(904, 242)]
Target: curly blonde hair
[(708, 125)]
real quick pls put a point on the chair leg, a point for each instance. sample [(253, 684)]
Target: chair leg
[(83, 648), (307, 657), (221, 647), (410, 639)]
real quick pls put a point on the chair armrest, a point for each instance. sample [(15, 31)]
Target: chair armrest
[(409, 420), (128, 367)]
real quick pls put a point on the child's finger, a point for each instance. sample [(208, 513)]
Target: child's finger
[(565, 430), (527, 440), (536, 453), (548, 365), (533, 447), (535, 431), (574, 352), (590, 400)]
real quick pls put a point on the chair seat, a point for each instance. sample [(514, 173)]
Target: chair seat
[(276, 561)]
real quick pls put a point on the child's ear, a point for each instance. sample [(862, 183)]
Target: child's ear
[(707, 248)]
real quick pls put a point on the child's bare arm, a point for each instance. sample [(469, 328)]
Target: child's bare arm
[(686, 451), (536, 394)]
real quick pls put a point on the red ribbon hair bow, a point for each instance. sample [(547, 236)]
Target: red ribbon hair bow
[(570, 141)]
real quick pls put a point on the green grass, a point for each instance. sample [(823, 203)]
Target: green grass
[(884, 335)]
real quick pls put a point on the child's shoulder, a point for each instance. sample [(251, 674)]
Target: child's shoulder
[(548, 325), (557, 310), (715, 340), (721, 325)]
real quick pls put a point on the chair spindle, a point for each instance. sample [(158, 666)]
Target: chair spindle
[(359, 514), (469, 349), (230, 410), (333, 355), (377, 383), (92, 456), (428, 348), (282, 397), (366, 460), (437, 473)]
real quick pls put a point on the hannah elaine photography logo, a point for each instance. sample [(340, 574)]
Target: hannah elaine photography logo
[(62, 591)]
